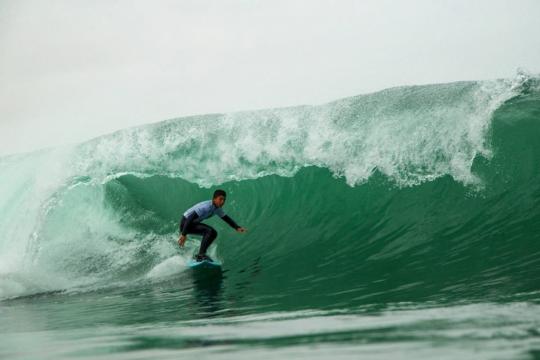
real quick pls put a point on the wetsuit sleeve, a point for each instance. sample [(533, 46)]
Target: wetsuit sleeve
[(189, 220), (220, 212), (230, 221)]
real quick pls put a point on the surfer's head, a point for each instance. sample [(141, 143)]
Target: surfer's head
[(219, 197)]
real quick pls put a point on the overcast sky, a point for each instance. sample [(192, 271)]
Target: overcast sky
[(72, 70)]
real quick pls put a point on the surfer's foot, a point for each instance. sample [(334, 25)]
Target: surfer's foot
[(203, 257)]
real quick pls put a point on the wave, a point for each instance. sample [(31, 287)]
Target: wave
[(413, 193)]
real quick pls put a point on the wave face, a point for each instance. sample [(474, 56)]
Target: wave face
[(409, 194)]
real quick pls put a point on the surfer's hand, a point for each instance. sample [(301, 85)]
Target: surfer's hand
[(241, 230), (182, 240)]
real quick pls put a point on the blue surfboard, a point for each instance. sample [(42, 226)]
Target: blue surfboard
[(205, 264)]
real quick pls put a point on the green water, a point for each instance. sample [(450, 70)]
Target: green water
[(400, 224)]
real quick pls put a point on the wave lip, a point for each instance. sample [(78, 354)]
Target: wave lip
[(411, 134)]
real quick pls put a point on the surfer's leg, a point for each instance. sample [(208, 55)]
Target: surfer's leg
[(195, 229), (209, 235)]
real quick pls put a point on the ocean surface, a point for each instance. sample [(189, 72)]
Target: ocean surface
[(402, 224)]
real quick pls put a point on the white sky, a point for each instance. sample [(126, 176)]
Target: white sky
[(72, 70)]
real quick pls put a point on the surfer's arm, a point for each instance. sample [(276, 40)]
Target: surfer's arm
[(230, 221), (189, 220)]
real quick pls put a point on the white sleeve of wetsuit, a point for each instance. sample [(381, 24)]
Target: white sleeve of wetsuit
[(219, 212)]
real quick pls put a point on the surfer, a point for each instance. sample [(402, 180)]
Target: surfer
[(192, 218)]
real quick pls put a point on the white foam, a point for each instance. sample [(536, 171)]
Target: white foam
[(171, 266), (410, 134)]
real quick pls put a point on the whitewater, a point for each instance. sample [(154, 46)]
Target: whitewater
[(398, 224)]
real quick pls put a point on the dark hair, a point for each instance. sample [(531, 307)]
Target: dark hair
[(219, 192)]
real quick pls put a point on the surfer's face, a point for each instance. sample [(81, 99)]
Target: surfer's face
[(219, 201)]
